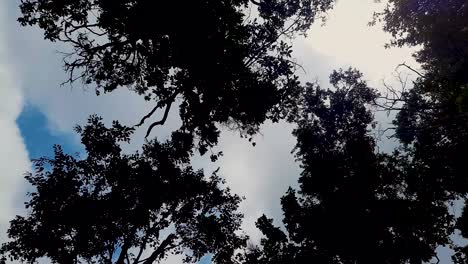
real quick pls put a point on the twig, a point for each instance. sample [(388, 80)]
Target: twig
[(410, 68)]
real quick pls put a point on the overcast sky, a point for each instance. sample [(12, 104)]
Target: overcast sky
[(35, 112)]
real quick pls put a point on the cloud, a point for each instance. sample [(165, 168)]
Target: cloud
[(262, 173), (348, 38), (14, 160), (39, 65)]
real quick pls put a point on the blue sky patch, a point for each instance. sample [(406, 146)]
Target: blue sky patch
[(37, 136)]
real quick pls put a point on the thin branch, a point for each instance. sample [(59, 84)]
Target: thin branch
[(162, 121), (297, 65), (410, 68), (142, 121), (381, 132), (168, 102), (160, 250), (85, 26), (387, 106)]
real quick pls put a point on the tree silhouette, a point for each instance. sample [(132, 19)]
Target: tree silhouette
[(110, 207), (227, 61), (433, 122), (221, 62), (438, 26), (354, 205)]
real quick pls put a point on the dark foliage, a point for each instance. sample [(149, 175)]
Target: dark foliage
[(226, 60), (111, 207), (433, 124), (354, 205), (440, 26)]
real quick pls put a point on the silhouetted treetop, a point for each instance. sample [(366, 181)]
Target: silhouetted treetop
[(433, 121), (111, 207), (354, 205), (439, 26), (227, 61)]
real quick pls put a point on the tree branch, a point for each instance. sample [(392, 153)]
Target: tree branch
[(168, 103), (255, 2), (160, 250), (142, 121), (411, 69), (162, 121), (159, 105), (84, 26)]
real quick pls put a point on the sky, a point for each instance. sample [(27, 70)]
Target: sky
[(37, 112)]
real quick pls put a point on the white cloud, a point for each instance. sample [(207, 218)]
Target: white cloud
[(262, 173), (14, 160), (39, 65), (348, 38)]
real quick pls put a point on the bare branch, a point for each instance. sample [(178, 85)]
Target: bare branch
[(83, 26), (410, 68), (162, 121), (381, 132), (142, 121), (168, 102), (297, 65)]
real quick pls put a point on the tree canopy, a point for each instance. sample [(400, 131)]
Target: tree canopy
[(354, 205), (221, 62), (225, 62), (439, 27), (110, 207), (357, 205), (433, 121), (229, 62)]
